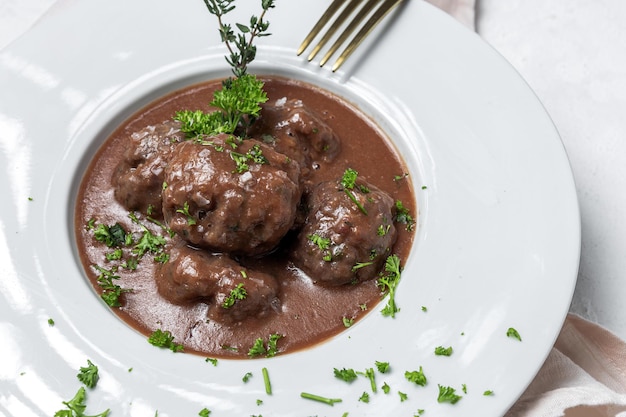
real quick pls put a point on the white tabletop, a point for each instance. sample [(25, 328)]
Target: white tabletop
[(572, 54)]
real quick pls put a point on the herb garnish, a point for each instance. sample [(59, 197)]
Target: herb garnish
[(344, 374), (325, 400), (259, 348), (237, 293), (348, 182), (164, 339), (417, 377), (447, 395), (388, 281), (76, 406), (403, 216), (240, 46), (88, 375), (511, 332), (441, 351)]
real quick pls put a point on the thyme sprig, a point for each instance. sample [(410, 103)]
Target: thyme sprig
[(240, 46)]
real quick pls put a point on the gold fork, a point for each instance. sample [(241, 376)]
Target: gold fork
[(349, 7)]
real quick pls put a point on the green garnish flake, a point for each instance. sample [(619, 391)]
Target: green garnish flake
[(417, 377), (247, 377), (403, 396), (388, 281), (88, 375), (347, 322), (185, 212), (360, 265), (112, 236), (321, 242), (383, 367), (442, 351), (348, 182), (511, 332), (76, 406), (347, 375), (365, 397), (488, 393), (164, 339), (205, 412), (259, 348), (318, 398), (447, 395), (403, 216), (386, 388), (236, 294), (50, 322), (212, 361), (266, 381)]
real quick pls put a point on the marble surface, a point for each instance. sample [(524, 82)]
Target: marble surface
[(572, 56)]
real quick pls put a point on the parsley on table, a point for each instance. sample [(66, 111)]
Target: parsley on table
[(88, 375), (76, 406), (164, 339), (447, 395), (205, 412), (347, 375), (417, 377), (442, 351), (511, 332), (319, 398), (365, 397), (383, 367)]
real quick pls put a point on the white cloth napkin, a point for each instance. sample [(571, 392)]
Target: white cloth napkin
[(585, 373)]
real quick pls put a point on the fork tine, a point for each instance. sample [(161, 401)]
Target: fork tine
[(345, 13), (374, 20), (332, 9), (348, 31)]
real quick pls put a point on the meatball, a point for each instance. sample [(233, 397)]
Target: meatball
[(240, 201), (339, 242), (232, 291), (291, 128), (138, 178)]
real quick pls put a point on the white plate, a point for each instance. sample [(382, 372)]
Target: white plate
[(497, 245)]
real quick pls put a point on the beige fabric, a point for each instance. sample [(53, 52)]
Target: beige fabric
[(584, 376), (462, 10)]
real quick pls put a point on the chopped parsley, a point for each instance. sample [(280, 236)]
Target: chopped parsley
[(344, 374), (441, 351), (88, 375), (511, 332), (347, 322), (112, 236), (348, 182), (205, 412), (325, 400), (213, 361), (76, 406), (164, 339), (403, 216), (185, 212), (271, 349), (321, 242), (417, 377), (447, 395), (383, 367), (236, 294), (388, 281), (365, 397)]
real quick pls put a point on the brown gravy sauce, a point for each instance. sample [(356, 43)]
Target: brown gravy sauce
[(310, 313)]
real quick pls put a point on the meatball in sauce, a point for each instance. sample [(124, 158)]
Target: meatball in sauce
[(225, 240)]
